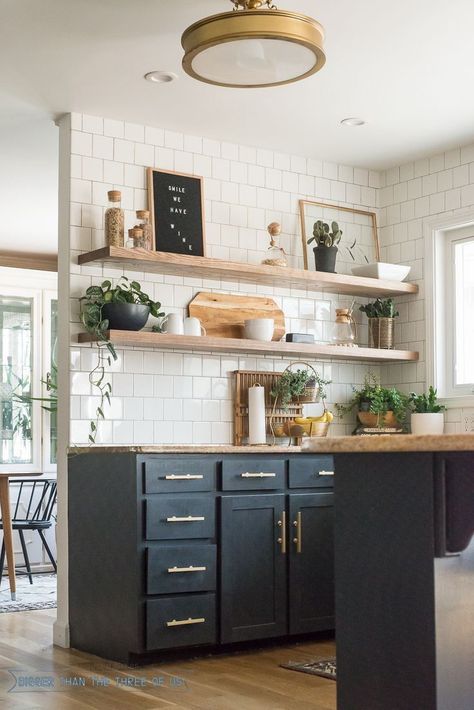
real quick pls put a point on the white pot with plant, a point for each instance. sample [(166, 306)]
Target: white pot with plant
[(427, 415)]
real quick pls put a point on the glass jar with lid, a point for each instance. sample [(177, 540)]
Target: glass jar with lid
[(114, 220), (144, 216)]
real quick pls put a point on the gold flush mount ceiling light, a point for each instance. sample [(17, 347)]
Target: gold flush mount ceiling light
[(253, 46)]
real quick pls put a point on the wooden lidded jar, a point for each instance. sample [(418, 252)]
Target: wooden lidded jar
[(114, 220), (144, 215)]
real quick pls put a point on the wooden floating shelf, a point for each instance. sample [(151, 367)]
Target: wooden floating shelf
[(220, 270), (163, 341)]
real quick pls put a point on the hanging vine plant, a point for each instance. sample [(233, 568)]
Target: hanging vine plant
[(97, 324)]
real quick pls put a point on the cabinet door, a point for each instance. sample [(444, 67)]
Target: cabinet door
[(311, 587), (253, 567)]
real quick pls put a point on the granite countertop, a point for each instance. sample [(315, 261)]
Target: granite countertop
[(336, 444)]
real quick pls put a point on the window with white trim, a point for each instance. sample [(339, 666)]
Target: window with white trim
[(28, 331), (452, 315)]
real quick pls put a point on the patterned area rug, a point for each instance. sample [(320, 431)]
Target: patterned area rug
[(39, 595), (325, 667)]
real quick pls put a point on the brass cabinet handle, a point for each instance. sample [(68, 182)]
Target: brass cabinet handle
[(173, 570), (325, 473), (258, 475), (298, 540), (184, 477), (187, 519), (282, 539), (185, 622)]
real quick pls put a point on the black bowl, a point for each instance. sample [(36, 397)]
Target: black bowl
[(126, 316)]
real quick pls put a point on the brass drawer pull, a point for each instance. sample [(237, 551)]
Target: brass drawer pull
[(173, 570), (187, 519), (258, 475), (184, 477), (185, 622), (325, 473), (282, 539), (298, 540)]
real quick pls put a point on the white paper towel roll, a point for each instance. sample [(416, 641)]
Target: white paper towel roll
[(257, 424)]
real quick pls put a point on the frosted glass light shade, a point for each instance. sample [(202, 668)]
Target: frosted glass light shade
[(253, 48)]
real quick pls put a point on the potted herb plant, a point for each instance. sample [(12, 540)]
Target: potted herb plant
[(381, 314), (300, 386), (377, 406), (325, 251), (427, 414)]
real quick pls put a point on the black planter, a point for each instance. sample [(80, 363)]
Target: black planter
[(325, 258), (126, 316)]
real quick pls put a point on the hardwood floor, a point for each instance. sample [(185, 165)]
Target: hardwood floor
[(243, 681)]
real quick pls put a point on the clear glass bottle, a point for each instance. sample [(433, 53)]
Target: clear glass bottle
[(144, 215), (114, 220), (344, 328), (276, 255)]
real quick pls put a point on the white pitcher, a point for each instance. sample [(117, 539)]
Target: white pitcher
[(192, 326)]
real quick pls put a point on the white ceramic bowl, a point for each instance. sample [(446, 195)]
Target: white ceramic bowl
[(379, 270), (259, 329)]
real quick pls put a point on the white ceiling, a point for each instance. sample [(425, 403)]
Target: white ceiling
[(406, 67)]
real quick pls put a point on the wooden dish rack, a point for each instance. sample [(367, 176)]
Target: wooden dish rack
[(248, 378)]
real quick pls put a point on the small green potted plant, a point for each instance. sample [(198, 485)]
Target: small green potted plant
[(103, 308), (427, 414), (325, 250), (125, 306), (381, 314), (299, 386), (377, 406)]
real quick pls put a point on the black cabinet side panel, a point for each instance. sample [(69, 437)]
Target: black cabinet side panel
[(384, 565), (105, 577)]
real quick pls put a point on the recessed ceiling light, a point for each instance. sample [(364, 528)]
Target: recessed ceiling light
[(353, 121), (161, 77)]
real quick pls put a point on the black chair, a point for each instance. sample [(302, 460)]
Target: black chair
[(33, 511)]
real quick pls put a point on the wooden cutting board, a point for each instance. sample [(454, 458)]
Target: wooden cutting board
[(223, 315)]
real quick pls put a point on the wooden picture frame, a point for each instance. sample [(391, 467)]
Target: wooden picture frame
[(356, 224), (176, 204)]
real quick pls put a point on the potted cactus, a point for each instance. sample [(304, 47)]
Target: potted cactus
[(325, 251), (427, 414)]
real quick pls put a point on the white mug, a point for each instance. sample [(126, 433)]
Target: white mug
[(192, 326), (173, 324), (259, 329)]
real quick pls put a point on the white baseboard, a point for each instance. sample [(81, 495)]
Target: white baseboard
[(61, 634)]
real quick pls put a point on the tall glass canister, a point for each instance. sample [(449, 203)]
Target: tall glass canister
[(114, 220)]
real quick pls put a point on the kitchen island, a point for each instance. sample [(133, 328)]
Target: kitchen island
[(256, 559)]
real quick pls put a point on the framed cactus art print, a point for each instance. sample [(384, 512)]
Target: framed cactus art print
[(336, 239)]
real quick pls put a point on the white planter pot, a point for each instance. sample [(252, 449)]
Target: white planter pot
[(427, 423)]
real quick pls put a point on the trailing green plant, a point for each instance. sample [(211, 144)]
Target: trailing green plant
[(292, 384), (323, 237), (380, 308), (426, 403), (374, 398), (92, 304)]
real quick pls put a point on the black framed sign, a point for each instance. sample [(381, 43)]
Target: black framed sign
[(176, 206)]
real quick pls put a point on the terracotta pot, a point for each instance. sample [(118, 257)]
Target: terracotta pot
[(368, 419)]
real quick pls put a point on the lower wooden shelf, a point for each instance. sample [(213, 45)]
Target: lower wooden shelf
[(164, 341)]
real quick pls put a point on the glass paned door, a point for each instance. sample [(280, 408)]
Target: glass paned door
[(16, 357)]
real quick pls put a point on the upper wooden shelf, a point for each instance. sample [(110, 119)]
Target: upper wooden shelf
[(218, 269), (164, 341)]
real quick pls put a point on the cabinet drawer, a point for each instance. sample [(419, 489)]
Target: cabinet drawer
[(180, 621), (311, 472), (253, 474), (179, 474), (181, 568), (180, 517)]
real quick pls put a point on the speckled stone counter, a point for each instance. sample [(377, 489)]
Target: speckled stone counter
[(333, 445)]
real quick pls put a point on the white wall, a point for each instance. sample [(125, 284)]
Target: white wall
[(29, 186), (411, 196), (182, 397)]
